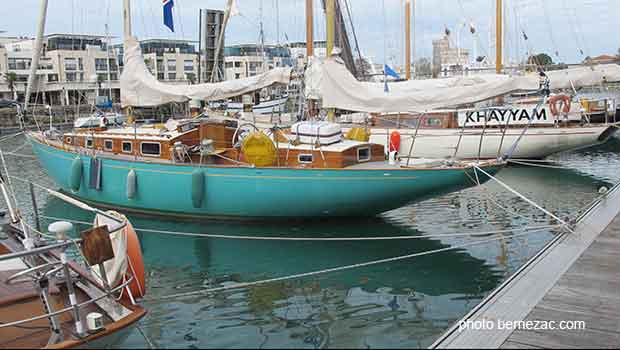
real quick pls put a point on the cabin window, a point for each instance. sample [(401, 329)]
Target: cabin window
[(306, 158), (69, 140), (127, 147), (434, 122), (89, 142), (363, 154), (151, 149), (108, 145)]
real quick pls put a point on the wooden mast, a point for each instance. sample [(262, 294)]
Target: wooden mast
[(309, 29), (499, 37), (331, 26), (408, 39), (331, 36)]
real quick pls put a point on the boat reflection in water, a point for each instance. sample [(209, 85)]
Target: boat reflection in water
[(417, 298)]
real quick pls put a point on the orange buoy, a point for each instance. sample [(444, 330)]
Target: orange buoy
[(395, 141), (135, 266)]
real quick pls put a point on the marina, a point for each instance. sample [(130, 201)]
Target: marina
[(202, 194)]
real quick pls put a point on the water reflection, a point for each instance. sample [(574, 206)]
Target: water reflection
[(423, 290)]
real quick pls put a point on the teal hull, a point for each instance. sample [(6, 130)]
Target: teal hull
[(250, 192)]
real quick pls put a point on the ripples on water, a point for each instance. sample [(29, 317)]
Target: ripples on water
[(403, 304)]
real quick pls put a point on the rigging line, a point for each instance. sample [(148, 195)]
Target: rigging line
[(550, 28), (332, 270), (315, 239)]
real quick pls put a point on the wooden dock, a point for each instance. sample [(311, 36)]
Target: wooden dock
[(574, 278)]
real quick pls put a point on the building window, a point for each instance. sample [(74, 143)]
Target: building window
[(238, 76), (127, 147), (150, 149), (52, 78), (172, 76), (89, 142), (363, 154), (229, 64), (101, 64), (305, 158), (172, 65), (20, 63), (108, 145), (71, 77), (237, 64), (71, 64), (188, 66), (161, 76)]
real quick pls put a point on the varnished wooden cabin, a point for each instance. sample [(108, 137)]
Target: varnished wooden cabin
[(161, 144)]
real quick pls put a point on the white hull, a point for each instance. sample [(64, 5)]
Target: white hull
[(536, 143), (266, 107)]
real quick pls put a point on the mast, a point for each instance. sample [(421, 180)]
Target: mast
[(331, 26), (127, 18), (408, 39), (499, 37), (108, 46), (331, 34), (36, 53), (309, 29)]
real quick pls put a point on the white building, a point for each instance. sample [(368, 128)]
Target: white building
[(77, 68), (244, 61), (72, 68)]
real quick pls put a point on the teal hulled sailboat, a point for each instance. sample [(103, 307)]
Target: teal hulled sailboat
[(204, 168)]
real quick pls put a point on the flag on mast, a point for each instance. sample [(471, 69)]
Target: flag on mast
[(168, 18)]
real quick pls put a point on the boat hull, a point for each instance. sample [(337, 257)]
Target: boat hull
[(244, 192), (537, 143)]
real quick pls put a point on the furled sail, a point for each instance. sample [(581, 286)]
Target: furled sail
[(330, 81), (140, 88)]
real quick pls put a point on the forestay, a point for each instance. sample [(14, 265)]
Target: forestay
[(338, 88), (140, 88)]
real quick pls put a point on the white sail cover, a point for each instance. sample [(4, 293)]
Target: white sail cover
[(584, 76), (338, 88), (140, 88)]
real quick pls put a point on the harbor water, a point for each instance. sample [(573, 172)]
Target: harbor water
[(406, 303)]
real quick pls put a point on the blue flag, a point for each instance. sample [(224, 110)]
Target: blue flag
[(390, 72), (387, 71), (168, 18)]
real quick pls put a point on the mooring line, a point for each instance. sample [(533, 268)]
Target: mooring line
[(327, 271), (566, 225), (318, 239)]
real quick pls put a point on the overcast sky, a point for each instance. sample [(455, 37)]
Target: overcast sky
[(559, 27)]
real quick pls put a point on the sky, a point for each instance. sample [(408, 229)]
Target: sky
[(561, 28)]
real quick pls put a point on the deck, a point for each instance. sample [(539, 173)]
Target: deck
[(575, 278)]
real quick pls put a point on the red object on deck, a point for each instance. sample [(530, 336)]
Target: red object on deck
[(395, 141)]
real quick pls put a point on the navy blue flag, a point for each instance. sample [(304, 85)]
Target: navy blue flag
[(168, 18)]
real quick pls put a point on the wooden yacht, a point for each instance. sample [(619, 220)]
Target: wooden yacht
[(50, 301)]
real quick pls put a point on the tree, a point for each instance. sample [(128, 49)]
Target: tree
[(11, 78), (542, 59)]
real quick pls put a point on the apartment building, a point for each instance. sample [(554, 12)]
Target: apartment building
[(72, 69), (244, 61), (77, 68)]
